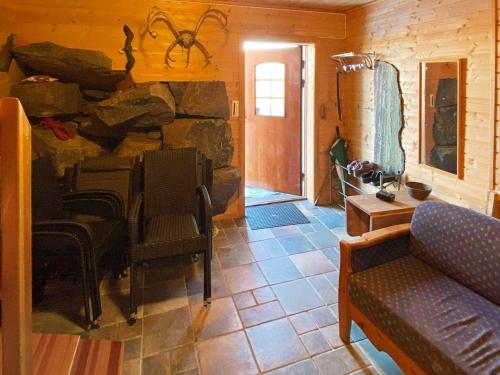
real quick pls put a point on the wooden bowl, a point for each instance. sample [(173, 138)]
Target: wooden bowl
[(418, 190)]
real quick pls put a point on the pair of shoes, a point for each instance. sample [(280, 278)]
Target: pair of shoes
[(364, 169), (367, 177)]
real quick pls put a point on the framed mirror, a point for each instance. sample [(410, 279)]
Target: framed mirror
[(441, 116)]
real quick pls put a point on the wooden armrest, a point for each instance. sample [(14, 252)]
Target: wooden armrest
[(375, 237)]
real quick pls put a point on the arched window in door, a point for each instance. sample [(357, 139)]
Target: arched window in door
[(270, 89)]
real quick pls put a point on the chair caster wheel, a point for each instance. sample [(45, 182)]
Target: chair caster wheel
[(207, 303), (132, 319), (196, 257)]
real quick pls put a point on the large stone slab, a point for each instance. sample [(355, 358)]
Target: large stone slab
[(135, 144), (388, 149), (226, 184), (144, 105), (62, 153), (90, 69), (444, 158), (48, 99), (210, 136), (91, 126), (203, 98)]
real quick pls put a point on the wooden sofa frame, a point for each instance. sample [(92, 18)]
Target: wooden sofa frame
[(348, 312)]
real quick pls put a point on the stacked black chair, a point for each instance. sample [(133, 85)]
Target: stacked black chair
[(57, 234), (173, 215)]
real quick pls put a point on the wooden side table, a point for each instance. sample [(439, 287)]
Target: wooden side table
[(366, 212)]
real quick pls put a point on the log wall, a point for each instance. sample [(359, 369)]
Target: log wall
[(404, 32), (96, 24)]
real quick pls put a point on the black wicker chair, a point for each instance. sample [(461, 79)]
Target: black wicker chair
[(173, 216), (56, 234)]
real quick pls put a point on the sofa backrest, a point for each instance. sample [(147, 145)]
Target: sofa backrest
[(463, 244)]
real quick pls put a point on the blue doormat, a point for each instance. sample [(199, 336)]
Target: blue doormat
[(274, 215)]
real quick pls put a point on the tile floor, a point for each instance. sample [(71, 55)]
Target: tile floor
[(274, 309)]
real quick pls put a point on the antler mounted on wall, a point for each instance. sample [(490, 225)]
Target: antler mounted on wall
[(185, 38)]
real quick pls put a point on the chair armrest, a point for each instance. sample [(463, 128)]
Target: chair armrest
[(134, 219), (106, 203), (205, 210), (375, 248), (79, 230)]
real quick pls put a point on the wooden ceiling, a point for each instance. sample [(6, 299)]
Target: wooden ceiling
[(315, 5)]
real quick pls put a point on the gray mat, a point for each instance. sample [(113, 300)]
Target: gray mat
[(274, 215)]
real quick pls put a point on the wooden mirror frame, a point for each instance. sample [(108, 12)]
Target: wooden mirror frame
[(461, 69)]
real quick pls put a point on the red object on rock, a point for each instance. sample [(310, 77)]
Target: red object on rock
[(58, 128)]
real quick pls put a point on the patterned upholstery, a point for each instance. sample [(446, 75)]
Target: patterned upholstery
[(445, 327), (463, 244), (384, 252)]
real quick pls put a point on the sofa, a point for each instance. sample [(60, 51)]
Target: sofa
[(427, 292)]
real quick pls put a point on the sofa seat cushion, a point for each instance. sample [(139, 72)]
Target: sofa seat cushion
[(443, 326)]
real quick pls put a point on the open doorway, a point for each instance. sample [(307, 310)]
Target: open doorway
[(274, 122)]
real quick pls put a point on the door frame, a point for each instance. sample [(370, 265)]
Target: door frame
[(308, 128)]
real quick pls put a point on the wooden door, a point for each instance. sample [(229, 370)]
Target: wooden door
[(273, 84)]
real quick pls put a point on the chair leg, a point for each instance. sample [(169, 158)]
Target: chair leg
[(133, 294), (94, 282), (207, 273), (86, 294)]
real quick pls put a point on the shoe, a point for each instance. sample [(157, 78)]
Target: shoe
[(367, 177), (385, 178), (365, 168)]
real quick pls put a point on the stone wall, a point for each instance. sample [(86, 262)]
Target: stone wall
[(110, 116)]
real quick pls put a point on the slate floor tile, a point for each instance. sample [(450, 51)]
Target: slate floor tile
[(243, 278), (166, 331), (325, 290), (267, 249), (288, 296), (303, 322), (157, 364), (279, 270), (261, 314), (285, 231), (219, 319), (164, 296), (296, 244), (244, 300), (341, 361), (182, 359), (263, 295), (228, 354), (250, 235), (333, 254), (315, 342), (323, 316), (312, 263), (333, 220), (332, 335), (333, 278), (322, 239), (275, 344), (235, 255), (300, 368)]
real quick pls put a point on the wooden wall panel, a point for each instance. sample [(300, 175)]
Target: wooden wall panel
[(96, 24), (403, 32), (496, 92)]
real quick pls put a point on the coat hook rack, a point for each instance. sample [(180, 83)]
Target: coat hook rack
[(353, 61)]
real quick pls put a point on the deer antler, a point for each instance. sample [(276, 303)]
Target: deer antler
[(156, 15), (215, 14)]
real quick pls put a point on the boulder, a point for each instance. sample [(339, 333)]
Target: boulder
[(48, 99), (93, 127), (226, 184), (210, 136), (90, 69), (62, 153), (204, 99), (444, 129), (444, 158), (143, 105), (446, 92), (135, 144), (96, 95)]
